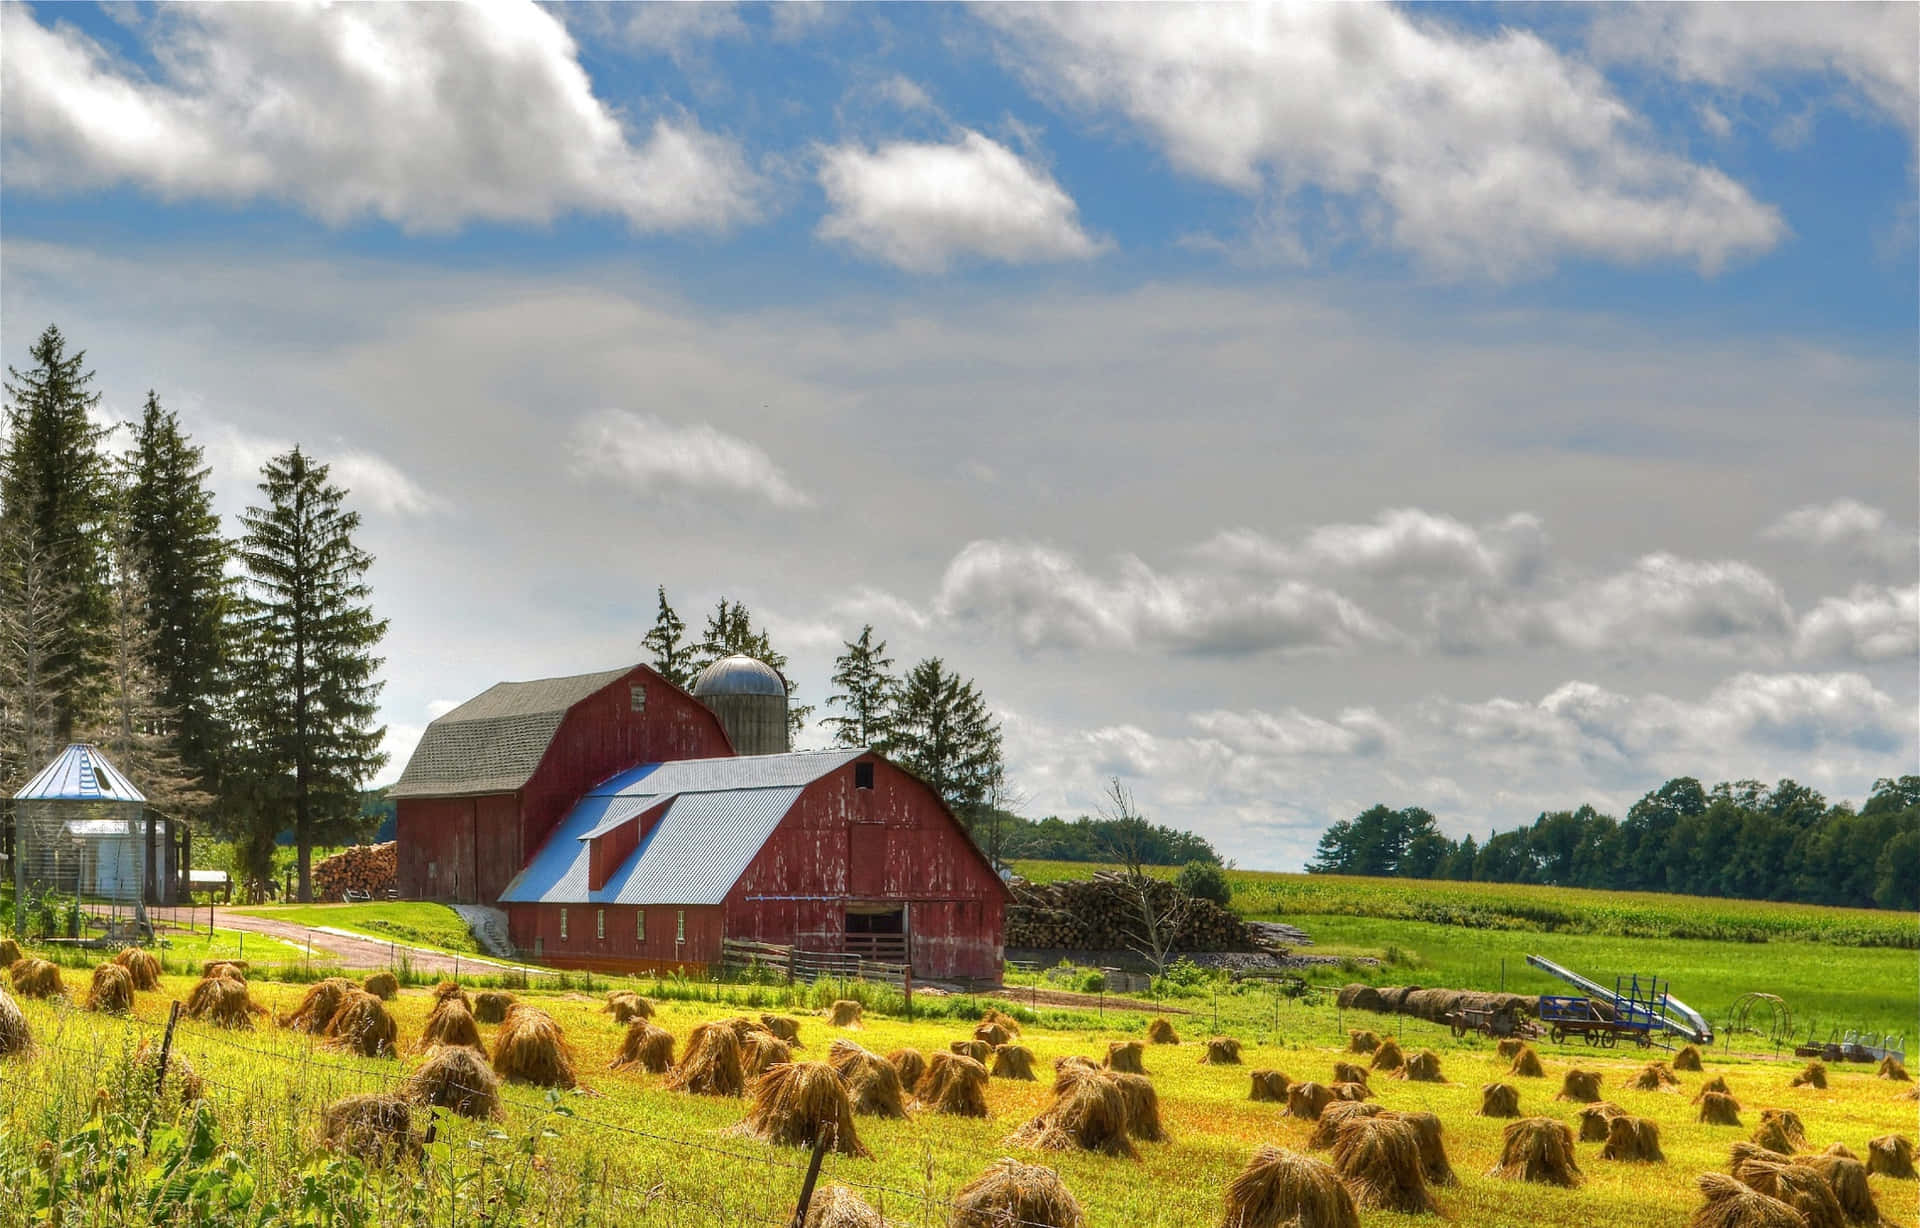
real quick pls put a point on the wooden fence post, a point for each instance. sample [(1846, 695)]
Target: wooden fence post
[(906, 986), (821, 1139), (166, 1047)]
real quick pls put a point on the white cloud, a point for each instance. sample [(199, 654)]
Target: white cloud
[(1663, 600), (427, 116), (382, 484), (237, 457), (1491, 155), (1399, 544), (655, 457), (1848, 527), (398, 742), (922, 206), (1869, 624)]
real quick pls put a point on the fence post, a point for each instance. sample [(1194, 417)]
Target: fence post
[(906, 987), (166, 1047), (792, 952), (821, 1137)]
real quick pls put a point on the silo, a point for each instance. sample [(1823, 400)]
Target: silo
[(750, 698)]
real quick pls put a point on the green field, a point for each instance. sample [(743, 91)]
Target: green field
[(413, 923)]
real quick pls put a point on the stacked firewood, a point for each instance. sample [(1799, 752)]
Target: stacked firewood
[(366, 868), (1106, 913)]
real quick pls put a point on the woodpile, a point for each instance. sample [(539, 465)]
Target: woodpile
[(368, 868), (1100, 914)]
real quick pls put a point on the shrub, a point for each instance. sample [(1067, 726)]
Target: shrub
[(1205, 881)]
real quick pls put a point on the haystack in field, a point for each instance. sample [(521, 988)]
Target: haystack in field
[(1160, 1032), (1379, 1160), (1688, 1058), (844, 1014), (839, 1207), (760, 1050), (16, 1038), (1349, 1072), (317, 1006), (1912, 1092), (1307, 1100), (1815, 1075), (232, 969), (451, 989), (786, 1027), (1840, 1149), (1717, 1083), (1284, 1189), (795, 1103), (531, 1048), (979, 1050), (492, 1005), (911, 1063), (9, 953), (992, 1034), (953, 1084), (1336, 1115), (1124, 1057), (1634, 1139), (1780, 1130), (1526, 1064), (1269, 1085), (1733, 1205), (1009, 1193), (1499, 1100), (1580, 1086), (141, 964), (1143, 1107), (1388, 1056), (710, 1064), (362, 1025), (1221, 1051), (647, 1046), (1422, 1067), (1893, 1068), (223, 1002), (374, 1128), (1537, 1149), (458, 1080), (1653, 1077), (1847, 1178), (111, 992), (1361, 1041), (626, 1006), (1719, 1109), (873, 1082), (1072, 1066), (1509, 1047), (382, 985), (450, 1024), (1089, 1114), (36, 978), (1596, 1119), (1890, 1155), (1799, 1186), (1433, 1150), (1012, 1062), (1349, 1091), (995, 1015)]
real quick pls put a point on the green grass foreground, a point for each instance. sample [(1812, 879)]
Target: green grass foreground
[(411, 922)]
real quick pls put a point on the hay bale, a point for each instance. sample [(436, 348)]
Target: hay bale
[(9, 952), (1633, 1139), (1363, 998), (647, 1046), (844, 1014), (1269, 1085), (953, 1084), (1066, 1069), (492, 1005), (111, 992), (317, 1006), (36, 978), (992, 1035), (1124, 1057), (1349, 1091), (1160, 1032), (375, 1128), (1422, 1067), (1890, 1155), (996, 1015), (786, 1027), (231, 969), (1717, 1083), (1580, 1086), (1307, 1100), (1143, 1107), (449, 1023), (1388, 1056), (1361, 1041), (451, 989), (1499, 1100), (1540, 1150), (1793, 1183), (1379, 1160), (795, 1103), (531, 1048), (1009, 1193), (382, 985), (1284, 1189), (1687, 1058), (839, 1207), (1847, 1178), (626, 1006), (1840, 1149), (223, 1002), (1221, 1051), (142, 965), (1328, 1127), (1433, 1150), (1509, 1046), (873, 1082), (710, 1065), (1596, 1119), (1893, 1068), (1719, 1109), (457, 1079), (1088, 1114), (1733, 1205), (1653, 1077), (1349, 1072), (1815, 1075), (761, 1051), (1780, 1130), (979, 1050), (1526, 1064), (1012, 1062), (16, 1038), (362, 1025), (911, 1063)]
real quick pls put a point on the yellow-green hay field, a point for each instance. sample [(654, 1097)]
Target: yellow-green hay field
[(626, 1151)]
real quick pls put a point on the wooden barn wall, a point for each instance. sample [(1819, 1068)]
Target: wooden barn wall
[(458, 850), (893, 843), (622, 947)]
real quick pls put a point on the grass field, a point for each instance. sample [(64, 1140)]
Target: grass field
[(406, 921), (627, 1151)]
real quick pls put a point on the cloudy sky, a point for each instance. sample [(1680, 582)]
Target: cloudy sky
[(1283, 409)]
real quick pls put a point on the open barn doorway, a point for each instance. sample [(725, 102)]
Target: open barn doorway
[(877, 932)]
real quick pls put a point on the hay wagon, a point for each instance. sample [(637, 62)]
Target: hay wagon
[(1501, 1022), (1582, 1017)]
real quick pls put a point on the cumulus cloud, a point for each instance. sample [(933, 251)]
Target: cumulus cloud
[(237, 457), (654, 457), (426, 116), (1480, 155), (1400, 544), (381, 483), (1663, 599), (1848, 527), (920, 206), (1869, 624)]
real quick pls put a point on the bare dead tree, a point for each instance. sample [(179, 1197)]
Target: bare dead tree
[(33, 608), (1155, 912)]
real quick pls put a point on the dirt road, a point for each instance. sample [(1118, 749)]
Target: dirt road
[(353, 952)]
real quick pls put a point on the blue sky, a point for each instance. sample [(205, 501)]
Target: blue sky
[(1285, 408)]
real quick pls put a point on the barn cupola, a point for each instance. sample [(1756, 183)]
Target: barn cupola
[(750, 698)]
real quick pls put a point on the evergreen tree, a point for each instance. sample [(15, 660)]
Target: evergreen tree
[(54, 503), (33, 666), (944, 734), (730, 630), (306, 670), (672, 655), (864, 674)]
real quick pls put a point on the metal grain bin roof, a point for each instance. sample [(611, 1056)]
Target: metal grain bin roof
[(739, 675), (494, 741), (80, 774)]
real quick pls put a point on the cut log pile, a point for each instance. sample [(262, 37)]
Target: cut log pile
[(370, 868), (1104, 913), (1433, 1005)]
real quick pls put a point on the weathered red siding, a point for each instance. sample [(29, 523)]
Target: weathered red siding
[(535, 929), (457, 849)]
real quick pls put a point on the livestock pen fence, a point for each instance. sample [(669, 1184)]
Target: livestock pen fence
[(792, 963)]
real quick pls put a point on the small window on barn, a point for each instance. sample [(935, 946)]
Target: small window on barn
[(680, 926), (640, 924), (600, 924), (637, 697), (863, 775), (563, 925)]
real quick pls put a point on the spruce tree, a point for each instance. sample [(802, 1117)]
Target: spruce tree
[(34, 609), (944, 734), (672, 655), (307, 692), (864, 674), (730, 630)]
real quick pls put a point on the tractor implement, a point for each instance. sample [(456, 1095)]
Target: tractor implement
[(1638, 1008)]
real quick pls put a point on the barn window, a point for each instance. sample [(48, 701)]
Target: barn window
[(637, 697), (640, 924), (563, 925), (863, 776), (600, 924), (680, 926)]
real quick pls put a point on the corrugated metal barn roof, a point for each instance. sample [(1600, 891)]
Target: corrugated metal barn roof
[(80, 774), (494, 741)]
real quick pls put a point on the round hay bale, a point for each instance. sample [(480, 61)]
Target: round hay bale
[(786, 1027), (1284, 1189), (1422, 1067), (317, 1006), (1349, 1091), (111, 992), (1088, 1114), (1580, 1086), (492, 1005), (449, 1023), (1890, 1155), (647, 1046), (911, 1063), (1799, 1186), (1143, 1107), (1349, 1072), (710, 1065), (232, 969), (1595, 1119), (953, 1084), (1379, 1160), (839, 1207), (9, 953), (457, 1079), (1717, 1083), (1653, 1077), (873, 1082), (761, 1051), (626, 1006), (1124, 1057), (223, 1002), (362, 1025), (375, 1128), (795, 1103), (1361, 1041), (1388, 1056), (1687, 1058), (1307, 1100), (1719, 1109), (992, 1035), (1780, 1130), (1815, 1075), (36, 978), (1509, 1046), (978, 1050), (1269, 1085), (1526, 1064), (1733, 1205), (382, 985), (1633, 1139), (1010, 1192), (1328, 1127), (531, 1048), (1499, 1100), (1537, 1149), (1160, 1032), (1893, 1068), (996, 1015), (844, 1014), (1221, 1051), (1847, 1178), (1433, 1150), (141, 964), (16, 1038), (1012, 1062)]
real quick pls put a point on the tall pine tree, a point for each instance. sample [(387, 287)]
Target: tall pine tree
[(864, 674), (307, 691), (944, 734), (672, 655), (730, 630)]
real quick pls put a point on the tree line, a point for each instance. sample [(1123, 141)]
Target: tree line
[(234, 679), (1739, 839)]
